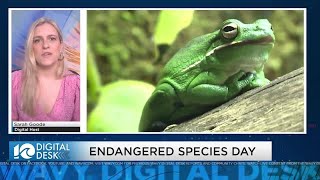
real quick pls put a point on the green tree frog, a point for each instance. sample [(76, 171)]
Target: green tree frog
[(210, 70)]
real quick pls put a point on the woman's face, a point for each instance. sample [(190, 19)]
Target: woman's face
[(46, 45)]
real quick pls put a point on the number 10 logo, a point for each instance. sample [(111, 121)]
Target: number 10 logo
[(26, 151)]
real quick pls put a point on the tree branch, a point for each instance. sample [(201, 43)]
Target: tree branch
[(277, 107)]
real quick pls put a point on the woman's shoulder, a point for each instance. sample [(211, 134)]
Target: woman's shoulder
[(16, 77), (16, 73), (72, 79)]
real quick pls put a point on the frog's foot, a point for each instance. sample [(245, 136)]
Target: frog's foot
[(236, 77), (258, 82), (242, 84), (170, 127)]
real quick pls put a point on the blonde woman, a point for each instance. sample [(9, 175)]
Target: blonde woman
[(44, 90)]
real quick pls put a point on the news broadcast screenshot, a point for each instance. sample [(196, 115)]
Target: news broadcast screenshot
[(124, 90)]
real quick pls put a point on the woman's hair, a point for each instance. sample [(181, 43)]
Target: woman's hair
[(29, 71)]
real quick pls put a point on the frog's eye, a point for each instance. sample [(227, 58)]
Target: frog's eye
[(230, 31)]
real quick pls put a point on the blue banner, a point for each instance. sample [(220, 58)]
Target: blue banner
[(159, 170)]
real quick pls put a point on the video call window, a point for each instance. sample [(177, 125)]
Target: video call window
[(45, 71)]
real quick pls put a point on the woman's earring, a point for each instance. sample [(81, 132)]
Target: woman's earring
[(61, 57)]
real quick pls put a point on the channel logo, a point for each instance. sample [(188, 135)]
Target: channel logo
[(40, 151), (26, 151)]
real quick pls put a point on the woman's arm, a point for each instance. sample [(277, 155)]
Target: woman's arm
[(76, 112)]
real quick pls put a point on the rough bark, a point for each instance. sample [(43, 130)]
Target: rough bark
[(277, 107)]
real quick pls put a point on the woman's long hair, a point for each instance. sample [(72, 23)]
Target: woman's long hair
[(29, 71)]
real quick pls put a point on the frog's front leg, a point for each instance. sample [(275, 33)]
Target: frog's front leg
[(159, 108), (211, 94)]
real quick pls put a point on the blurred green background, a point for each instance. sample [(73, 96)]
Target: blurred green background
[(136, 44)]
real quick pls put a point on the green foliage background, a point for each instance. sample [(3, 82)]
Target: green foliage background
[(121, 42)]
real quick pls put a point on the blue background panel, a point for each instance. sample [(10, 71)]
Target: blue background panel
[(285, 147)]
